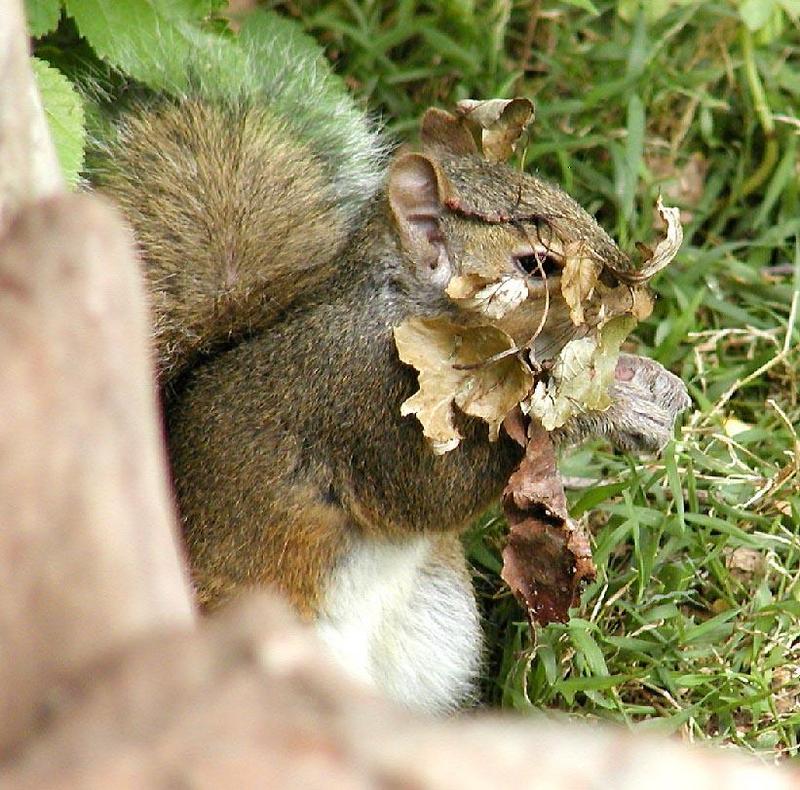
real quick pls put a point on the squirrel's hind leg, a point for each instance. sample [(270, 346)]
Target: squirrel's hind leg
[(402, 616)]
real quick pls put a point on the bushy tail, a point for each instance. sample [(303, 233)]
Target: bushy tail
[(241, 185)]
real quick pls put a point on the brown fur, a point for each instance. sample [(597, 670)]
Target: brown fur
[(232, 217)]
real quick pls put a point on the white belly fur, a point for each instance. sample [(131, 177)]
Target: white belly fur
[(397, 618)]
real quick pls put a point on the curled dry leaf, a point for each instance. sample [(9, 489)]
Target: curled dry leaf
[(633, 300), (501, 121), (578, 279), (666, 249), (453, 370), (547, 555), (492, 298)]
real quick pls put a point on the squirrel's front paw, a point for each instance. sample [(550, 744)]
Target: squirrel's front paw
[(646, 401)]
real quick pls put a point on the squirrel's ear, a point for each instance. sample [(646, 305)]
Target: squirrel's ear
[(416, 192), (442, 130)]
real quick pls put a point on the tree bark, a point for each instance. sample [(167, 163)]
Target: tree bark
[(29, 167), (88, 556), (249, 700)]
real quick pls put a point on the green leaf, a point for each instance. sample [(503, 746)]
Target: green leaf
[(65, 117), (674, 479), (42, 16), (756, 13), (459, 9), (586, 5), (595, 496), (713, 629), (152, 42), (791, 7)]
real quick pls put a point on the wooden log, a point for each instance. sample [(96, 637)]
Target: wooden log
[(88, 550), (249, 700), (29, 168)]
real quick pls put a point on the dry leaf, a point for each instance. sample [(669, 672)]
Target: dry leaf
[(684, 184), (667, 248), (744, 562), (632, 300), (465, 286), (502, 122), (547, 555), (493, 298), (734, 426), (578, 280), (581, 376), (453, 369), (785, 687)]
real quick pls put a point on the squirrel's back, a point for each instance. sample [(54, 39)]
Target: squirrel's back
[(241, 183)]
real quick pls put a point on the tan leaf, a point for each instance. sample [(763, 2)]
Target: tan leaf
[(667, 248), (744, 562), (581, 376), (624, 299), (464, 286), (494, 299), (578, 280), (492, 392), (786, 689), (641, 303), (453, 369), (684, 183), (547, 555), (502, 122)]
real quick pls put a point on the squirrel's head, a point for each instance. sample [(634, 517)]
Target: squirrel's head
[(465, 221)]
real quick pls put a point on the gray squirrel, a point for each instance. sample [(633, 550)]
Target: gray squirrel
[(281, 243)]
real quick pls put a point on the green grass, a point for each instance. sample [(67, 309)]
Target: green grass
[(693, 624)]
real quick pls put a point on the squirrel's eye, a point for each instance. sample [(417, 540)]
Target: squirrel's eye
[(536, 264)]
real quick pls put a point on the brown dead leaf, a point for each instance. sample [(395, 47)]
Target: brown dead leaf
[(547, 555), (453, 369), (502, 122), (786, 689), (685, 183), (743, 562), (578, 280), (632, 300)]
